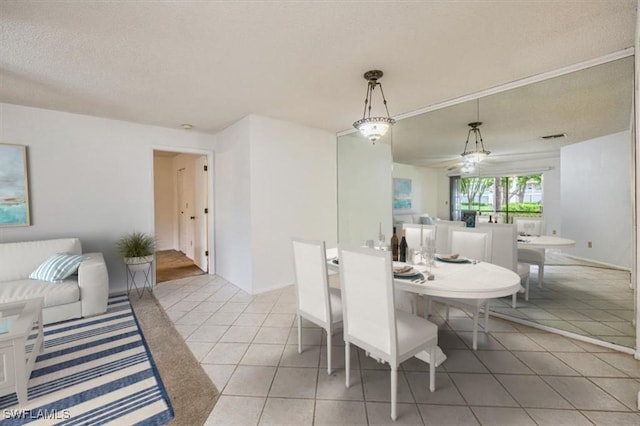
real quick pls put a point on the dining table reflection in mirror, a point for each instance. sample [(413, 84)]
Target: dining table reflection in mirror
[(560, 149)]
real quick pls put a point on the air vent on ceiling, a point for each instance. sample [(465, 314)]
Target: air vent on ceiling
[(556, 136)]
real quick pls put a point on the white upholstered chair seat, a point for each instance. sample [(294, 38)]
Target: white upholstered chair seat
[(413, 331)]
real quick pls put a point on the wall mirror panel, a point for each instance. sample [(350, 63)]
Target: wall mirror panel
[(585, 190), (364, 189)]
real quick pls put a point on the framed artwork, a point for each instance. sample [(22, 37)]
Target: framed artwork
[(401, 194), (469, 218), (14, 186)]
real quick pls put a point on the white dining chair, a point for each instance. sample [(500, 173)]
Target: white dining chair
[(316, 301), (504, 252), (535, 257), (531, 256), (472, 243), (413, 232), (530, 225), (371, 320), (442, 233)]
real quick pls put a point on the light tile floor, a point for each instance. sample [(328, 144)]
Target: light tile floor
[(518, 376), (576, 296)]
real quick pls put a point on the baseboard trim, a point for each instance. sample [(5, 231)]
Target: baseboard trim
[(272, 288), (596, 262)]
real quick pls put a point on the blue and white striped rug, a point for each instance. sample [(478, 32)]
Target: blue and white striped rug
[(93, 371)]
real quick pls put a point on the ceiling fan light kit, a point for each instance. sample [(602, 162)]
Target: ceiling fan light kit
[(373, 128)]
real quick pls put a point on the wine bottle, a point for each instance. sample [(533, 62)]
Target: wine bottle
[(403, 248), (394, 245), (490, 220)]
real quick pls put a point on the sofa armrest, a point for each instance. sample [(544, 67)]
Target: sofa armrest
[(93, 281)]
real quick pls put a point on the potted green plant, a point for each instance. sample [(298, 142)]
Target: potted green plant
[(137, 248)]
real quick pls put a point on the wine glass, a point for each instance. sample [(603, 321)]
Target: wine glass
[(381, 241), (423, 254), (430, 251)]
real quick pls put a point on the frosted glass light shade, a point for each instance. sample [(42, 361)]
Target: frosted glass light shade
[(475, 157), (373, 128)]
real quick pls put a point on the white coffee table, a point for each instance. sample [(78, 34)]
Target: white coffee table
[(21, 340)]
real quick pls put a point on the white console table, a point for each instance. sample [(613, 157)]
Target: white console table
[(21, 340)]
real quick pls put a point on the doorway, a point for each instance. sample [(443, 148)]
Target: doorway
[(181, 209)]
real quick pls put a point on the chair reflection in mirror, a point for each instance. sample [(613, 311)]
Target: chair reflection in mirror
[(316, 301), (442, 233), (533, 256), (476, 244), (371, 320), (504, 252), (416, 234)]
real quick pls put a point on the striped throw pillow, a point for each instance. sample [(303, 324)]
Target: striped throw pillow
[(57, 267)]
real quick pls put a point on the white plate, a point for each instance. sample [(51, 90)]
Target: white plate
[(447, 258)]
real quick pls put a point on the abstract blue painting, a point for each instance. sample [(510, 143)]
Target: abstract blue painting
[(14, 187), (401, 194)]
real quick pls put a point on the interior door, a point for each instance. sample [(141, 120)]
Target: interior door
[(185, 210), (201, 201)]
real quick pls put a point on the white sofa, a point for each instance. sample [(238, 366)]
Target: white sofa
[(80, 295), (400, 219)]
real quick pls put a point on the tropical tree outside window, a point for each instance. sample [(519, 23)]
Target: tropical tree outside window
[(501, 197), (475, 190)]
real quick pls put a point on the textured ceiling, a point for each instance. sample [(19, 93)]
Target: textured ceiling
[(211, 63), (584, 105)]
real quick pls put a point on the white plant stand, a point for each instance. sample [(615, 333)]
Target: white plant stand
[(144, 266)]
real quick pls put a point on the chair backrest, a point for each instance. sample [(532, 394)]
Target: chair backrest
[(442, 233), (312, 283), (530, 225), (504, 246), (412, 233), (368, 300), (474, 243)]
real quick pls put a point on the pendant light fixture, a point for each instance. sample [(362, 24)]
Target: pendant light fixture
[(478, 153), (373, 128)]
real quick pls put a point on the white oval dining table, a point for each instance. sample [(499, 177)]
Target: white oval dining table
[(544, 241), (479, 280)]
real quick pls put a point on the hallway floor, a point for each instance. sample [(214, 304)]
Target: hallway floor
[(173, 265)]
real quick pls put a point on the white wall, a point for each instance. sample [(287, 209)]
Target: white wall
[(424, 187), (293, 194), (89, 177), (552, 197), (365, 193), (274, 180), (596, 198), (234, 256), (165, 203)]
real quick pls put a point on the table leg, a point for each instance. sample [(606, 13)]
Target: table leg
[(20, 370)]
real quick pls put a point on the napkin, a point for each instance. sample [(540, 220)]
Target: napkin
[(402, 269), (449, 256)]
